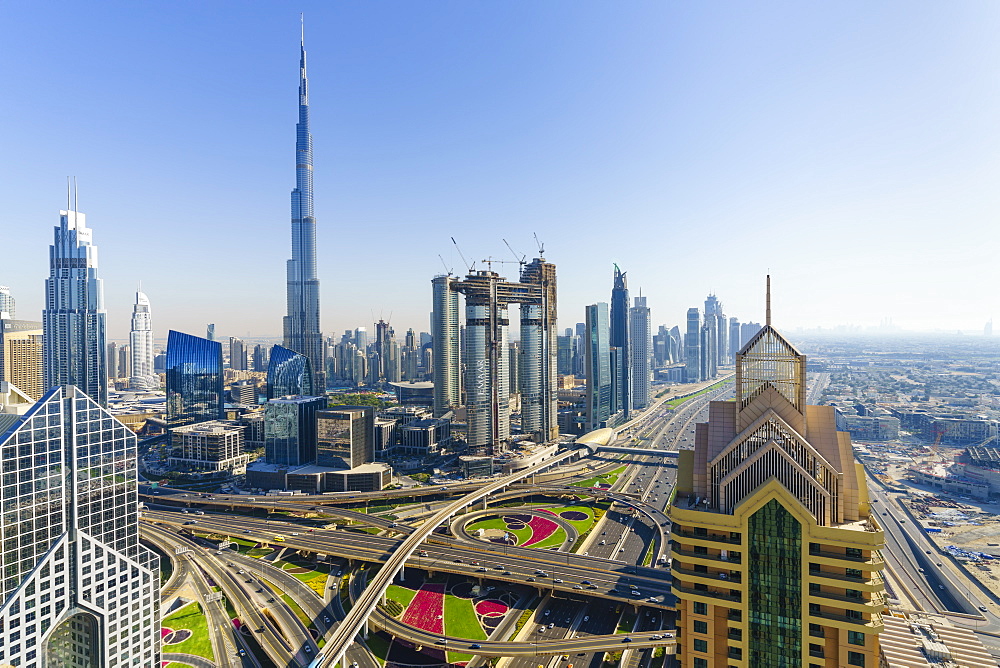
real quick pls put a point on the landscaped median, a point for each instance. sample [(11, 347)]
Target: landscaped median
[(452, 606), (186, 632)]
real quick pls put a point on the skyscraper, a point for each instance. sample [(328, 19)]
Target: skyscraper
[(21, 356), (195, 382), (775, 553), (301, 325), (598, 363), (237, 354), (621, 396), (7, 310), (290, 430), (641, 343), (692, 347), (74, 317), (78, 589), (444, 339), (289, 374), (539, 352), (141, 346)]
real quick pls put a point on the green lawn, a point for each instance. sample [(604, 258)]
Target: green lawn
[(674, 403), (193, 618), (379, 646), (460, 619), (557, 538), (400, 594), (611, 477), (315, 578)]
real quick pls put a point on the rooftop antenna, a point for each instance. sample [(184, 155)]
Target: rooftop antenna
[(541, 246), (302, 20), (767, 312), (520, 260), (445, 264), (69, 196), (461, 255), (76, 197)]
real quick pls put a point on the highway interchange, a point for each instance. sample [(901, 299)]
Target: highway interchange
[(571, 619)]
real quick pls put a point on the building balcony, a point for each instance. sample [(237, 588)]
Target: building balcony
[(864, 583), (873, 625), (709, 538), (872, 562), (714, 578), (876, 602), (711, 596), (676, 550)]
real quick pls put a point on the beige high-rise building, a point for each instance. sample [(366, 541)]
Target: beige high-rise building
[(21, 356), (776, 557)]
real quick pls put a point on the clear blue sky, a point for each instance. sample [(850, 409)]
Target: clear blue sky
[(851, 148)]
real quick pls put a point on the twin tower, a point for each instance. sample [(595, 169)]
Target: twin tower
[(484, 354)]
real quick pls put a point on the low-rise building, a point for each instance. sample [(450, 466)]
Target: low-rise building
[(922, 640), (209, 447)]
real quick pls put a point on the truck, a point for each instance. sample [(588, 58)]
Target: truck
[(932, 529)]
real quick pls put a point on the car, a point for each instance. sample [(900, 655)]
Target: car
[(557, 580), (591, 586), (884, 514), (539, 571), (552, 625), (603, 542), (246, 531), (191, 522), (326, 620), (243, 652), (656, 636), (458, 561), (577, 587), (941, 587), (309, 650), (626, 639), (294, 534), (354, 665), (440, 641), (530, 579), (586, 618), (548, 612), (927, 551), (636, 593), (500, 567), (939, 565), (541, 629), (585, 582), (481, 569), (668, 635), (983, 608)]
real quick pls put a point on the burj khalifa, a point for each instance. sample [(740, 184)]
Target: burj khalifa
[(301, 326)]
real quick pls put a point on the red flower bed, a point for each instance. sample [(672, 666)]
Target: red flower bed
[(426, 610), (491, 608), (541, 529)]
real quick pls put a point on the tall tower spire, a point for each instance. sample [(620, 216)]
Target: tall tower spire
[(301, 326)]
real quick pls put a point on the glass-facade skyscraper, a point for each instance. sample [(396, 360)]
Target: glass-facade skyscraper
[(641, 340), (301, 325), (74, 319), (289, 374), (598, 363), (141, 344), (621, 395), (195, 383), (290, 430), (76, 587)]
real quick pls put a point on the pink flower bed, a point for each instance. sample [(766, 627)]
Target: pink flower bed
[(164, 632), (426, 610), (541, 529), (491, 608)]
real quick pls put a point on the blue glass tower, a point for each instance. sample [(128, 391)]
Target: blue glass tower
[(195, 384), (74, 318), (621, 372), (288, 374), (301, 326)]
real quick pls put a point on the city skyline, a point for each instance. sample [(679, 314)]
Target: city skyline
[(636, 127)]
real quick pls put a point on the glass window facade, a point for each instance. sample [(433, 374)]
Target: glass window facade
[(290, 430), (195, 384), (345, 436), (775, 588), (289, 374)]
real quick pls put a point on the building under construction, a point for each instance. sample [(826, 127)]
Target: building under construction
[(487, 384)]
